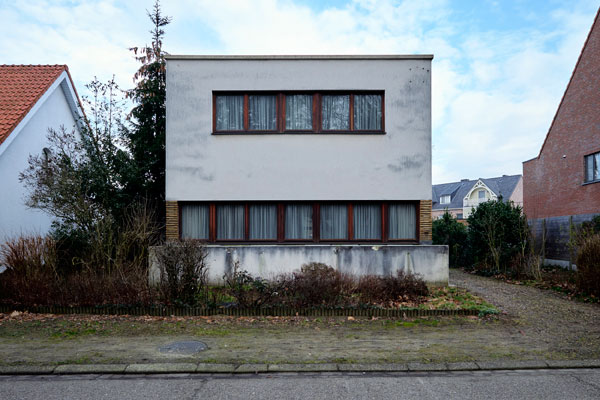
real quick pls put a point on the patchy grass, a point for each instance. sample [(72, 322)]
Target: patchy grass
[(453, 298)]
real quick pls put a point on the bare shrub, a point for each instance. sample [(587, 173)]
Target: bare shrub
[(249, 291), (588, 265), (316, 284), (30, 275), (391, 288), (183, 271)]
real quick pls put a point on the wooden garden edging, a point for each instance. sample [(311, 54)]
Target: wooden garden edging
[(233, 311)]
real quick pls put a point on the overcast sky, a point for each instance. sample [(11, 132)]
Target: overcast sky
[(499, 71)]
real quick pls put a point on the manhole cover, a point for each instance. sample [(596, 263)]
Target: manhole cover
[(186, 347)]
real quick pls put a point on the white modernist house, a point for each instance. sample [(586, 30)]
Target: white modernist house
[(276, 161), (33, 98)]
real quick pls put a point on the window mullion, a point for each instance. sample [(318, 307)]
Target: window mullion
[(351, 112), (246, 119), (350, 221)]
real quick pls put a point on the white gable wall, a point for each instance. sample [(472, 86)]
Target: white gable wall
[(205, 167), (52, 110)]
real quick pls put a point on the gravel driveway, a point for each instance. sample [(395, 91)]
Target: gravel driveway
[(568, 327)]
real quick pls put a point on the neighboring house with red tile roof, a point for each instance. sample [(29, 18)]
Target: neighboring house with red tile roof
[(33, 98)]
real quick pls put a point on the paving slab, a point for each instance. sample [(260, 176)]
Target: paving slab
[(573, 363), (512, 364), (26, 369), (159, 368), (215, 368), (90, 369), (325, 367), (462, 366), (251, 368), (426, 367), (394, 367)]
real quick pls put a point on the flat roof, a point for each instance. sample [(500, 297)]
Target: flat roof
[(301, 57)]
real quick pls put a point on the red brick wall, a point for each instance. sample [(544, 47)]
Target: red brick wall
[(553, 185)]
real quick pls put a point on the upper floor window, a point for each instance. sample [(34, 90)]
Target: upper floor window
[(445, 199), (481, 195), (288, 112), (592, 167)]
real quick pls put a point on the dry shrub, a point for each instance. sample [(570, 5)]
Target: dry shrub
[(249, 291), (111, 268), (391, 288), (588, 265), (183, 271), (316, 284), (30, 274)]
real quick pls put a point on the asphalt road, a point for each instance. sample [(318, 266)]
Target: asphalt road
[(519, 384)]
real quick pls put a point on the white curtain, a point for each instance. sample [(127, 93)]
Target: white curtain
[(230, 113), (367, 221), (367, 112), (298, 112), (335, 111), (263, 221), (334, 221), (298, 221), (262, 113), (230, 222), (403, 221), (194, 221)]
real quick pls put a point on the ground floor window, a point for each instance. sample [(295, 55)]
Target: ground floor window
[(365, 221)]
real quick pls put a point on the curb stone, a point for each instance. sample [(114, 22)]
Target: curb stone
[(26, 369), (169, 368), (462, 366), (427, 367), (90, 369), (215, 368), (373, 367), (251, 368), (573, 363), (163, 368), (518, 364), (303, 368)]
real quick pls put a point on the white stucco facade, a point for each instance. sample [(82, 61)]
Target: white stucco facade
[(55, 108), (201, 166)]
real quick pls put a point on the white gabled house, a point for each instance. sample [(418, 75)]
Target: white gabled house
[(33, 98), (275, 161)]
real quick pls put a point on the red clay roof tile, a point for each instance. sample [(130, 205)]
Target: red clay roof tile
[(21, 86)]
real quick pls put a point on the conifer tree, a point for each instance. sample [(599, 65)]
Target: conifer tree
[(146, 138)]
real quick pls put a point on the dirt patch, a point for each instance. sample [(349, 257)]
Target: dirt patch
[(535, 324)]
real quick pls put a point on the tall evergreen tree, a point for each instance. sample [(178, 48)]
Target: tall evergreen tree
[(146, 139)]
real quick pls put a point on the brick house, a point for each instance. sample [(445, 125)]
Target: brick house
[(33, 98), (561, 186), (276, 161), (460, 198)]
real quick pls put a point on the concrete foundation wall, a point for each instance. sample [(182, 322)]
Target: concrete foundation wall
[(267, 261)]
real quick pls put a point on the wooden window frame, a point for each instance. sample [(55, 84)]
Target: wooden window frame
[(280, 112), (316, 222)]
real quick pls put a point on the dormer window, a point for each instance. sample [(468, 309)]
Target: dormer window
[(445, 199)]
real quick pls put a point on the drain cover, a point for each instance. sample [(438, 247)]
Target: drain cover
[(185, 347)]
